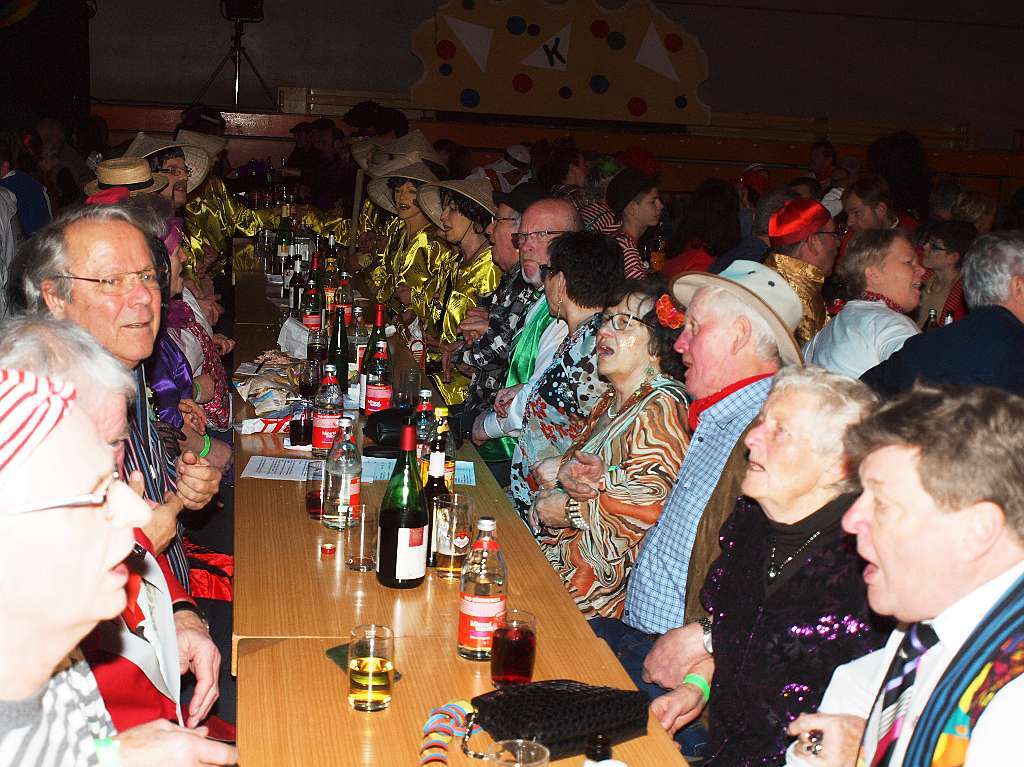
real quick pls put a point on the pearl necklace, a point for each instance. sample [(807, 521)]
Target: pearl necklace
[(773, 571)]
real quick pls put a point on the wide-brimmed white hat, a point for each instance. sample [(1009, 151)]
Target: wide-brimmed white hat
[(133, 173), (412, 146), (479, 190), (383, 197), (196, 158), (762, 289), (213, 145)]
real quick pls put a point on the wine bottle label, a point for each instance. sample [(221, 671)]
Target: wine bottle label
[(325, 427), (411, 558), (312, 321), (378, 397), (478, 618)]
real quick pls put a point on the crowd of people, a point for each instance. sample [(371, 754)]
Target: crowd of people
[(768, 437)]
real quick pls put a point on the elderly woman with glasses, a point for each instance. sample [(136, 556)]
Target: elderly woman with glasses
[(942, 253), (639, 429), (785, 601), (584, 271)]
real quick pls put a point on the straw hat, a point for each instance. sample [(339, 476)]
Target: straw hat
[(762, 289), (479, 190), (382, 196), (132, 173), (196, 158), (213, 145), (412, 146)]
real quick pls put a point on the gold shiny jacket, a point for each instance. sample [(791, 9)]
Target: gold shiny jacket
[(807, 280), (416, 262)]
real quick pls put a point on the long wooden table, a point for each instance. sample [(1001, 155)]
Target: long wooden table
[(290, 605)]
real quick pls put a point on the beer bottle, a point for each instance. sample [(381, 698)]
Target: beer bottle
[(446, 442), (435, 489), (482, 593), (402, 533)]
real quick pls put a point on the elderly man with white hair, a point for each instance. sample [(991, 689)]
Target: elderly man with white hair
[(79, 522), (736, 333)]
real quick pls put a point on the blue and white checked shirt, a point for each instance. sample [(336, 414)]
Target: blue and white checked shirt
[(656, 590)]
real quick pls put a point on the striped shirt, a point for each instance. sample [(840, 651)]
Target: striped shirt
[(144, 452), (656, 591), (56, 728)]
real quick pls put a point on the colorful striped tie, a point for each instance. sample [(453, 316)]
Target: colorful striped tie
[(898, 688)]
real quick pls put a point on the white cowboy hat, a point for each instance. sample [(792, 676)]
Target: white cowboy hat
[(196, 158), (383, 197), (479, 190)]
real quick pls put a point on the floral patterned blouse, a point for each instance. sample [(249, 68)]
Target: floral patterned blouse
[(558, 409)]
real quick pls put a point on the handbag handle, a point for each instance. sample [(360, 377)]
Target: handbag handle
[(470, 721)]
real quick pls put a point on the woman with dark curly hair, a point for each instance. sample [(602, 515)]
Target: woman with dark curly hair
[(639, 428), (583, 275)]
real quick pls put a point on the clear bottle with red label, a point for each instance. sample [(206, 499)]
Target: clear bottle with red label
[(343, 486), (326, 412), (313, 300), (482, 599)]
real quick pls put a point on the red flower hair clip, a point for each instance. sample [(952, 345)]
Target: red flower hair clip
[(669, 315)]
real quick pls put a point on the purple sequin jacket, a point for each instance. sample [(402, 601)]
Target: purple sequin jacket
[(774, 656)]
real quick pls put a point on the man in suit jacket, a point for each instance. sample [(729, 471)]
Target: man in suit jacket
[(984, 348)]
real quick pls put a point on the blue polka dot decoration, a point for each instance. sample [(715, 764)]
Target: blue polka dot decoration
[(470, 98), (533, 30), (445, 69), (599, 84), (565, 92), (681, 102), (516, 25)]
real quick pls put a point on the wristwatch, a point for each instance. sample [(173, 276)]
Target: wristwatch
[(188, 607), (705, 623)]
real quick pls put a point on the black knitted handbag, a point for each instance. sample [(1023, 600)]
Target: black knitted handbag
[(561, 714)]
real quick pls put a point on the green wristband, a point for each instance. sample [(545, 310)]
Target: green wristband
[(206, 446), (107, 750), (700, 683), (197, 390)]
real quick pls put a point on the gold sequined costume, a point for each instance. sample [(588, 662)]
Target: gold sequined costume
[(807, 280)]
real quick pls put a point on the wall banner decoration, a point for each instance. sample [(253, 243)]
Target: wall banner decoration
[(576, 59)]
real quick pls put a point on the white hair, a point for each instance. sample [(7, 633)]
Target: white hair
[(989, 265), (62, 350), (726, 306)]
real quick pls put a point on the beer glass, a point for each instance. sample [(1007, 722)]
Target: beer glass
[(371, 667), (514, 649), (453, 534), (361, 539), (519, 753)]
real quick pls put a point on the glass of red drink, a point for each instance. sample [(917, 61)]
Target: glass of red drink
[(514, 649), (315, 489)]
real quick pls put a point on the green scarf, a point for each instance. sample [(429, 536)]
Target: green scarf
[(520, 369)]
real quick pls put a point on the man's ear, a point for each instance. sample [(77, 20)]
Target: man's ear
[(882, 211), (54, 303), (741, 333)]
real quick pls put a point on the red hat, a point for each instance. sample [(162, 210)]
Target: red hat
[(755, 177), (30, 407), (796, 221), (111, 196), (641, 159)]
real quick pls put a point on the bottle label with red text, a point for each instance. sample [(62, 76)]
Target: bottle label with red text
[(325, 428), (378, 397), (350, 491), (312, 321), (479, 616)]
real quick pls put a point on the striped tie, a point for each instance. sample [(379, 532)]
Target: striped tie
[(898, 687)]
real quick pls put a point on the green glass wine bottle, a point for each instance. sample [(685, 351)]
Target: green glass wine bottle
[(402, 534)]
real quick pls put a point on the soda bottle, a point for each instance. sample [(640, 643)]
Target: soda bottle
[(358, 338), (434, 489), (482, 593), (402, 533), (443, 436), (378, 380), (344, 470), (378, 335), (296, 286), (326, 411), (313, 302)]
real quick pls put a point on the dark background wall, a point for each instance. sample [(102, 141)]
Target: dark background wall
[(945, 62)]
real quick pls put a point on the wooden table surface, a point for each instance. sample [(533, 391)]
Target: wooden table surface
[(290, 605)]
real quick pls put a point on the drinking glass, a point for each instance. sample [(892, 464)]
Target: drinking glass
[(316, 346), (310, 375), (514, 648), (453, 527), (361, 539), (408, 389), (371, 667), (315, 489), (519, 753)]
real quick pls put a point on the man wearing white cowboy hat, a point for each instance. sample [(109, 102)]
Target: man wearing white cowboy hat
[(735, 334), (132, 173), (185, 165)]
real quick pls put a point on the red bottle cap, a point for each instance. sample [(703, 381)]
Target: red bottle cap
[(408, 438)]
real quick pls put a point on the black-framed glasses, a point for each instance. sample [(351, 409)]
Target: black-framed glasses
[(620, 321), (186, 171), (836, 234), (519, 239), (119, 284), (505, 218), (545, 271), (98, 499)]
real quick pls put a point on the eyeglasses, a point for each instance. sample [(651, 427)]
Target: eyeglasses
[(836, 234), (505, 218), (97, 499), (621, 321), (119, 284), (545, 270), (186, 171), (519, 238)]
